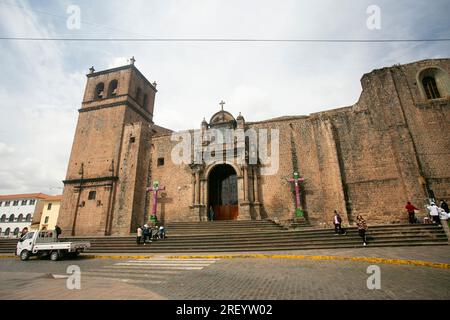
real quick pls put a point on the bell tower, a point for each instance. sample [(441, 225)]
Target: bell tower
[(109, 162)]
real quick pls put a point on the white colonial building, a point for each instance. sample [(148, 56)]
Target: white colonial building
[(16, 212)]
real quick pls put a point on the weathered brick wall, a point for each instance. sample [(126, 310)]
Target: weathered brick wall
[(368, 159), (428, 122), (306, 146), (174, 202)]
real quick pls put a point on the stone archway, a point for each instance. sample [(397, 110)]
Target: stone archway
[(223, 192)]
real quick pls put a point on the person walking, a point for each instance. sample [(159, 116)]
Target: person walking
[(211, 213), (57, 231), (139, 235), (337, 220), (434, 213), (411, 213), (444, 206), (362, 228)]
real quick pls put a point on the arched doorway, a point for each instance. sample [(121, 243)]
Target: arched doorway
[(222, 192)]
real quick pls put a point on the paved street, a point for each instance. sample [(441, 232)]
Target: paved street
[(162, 277)]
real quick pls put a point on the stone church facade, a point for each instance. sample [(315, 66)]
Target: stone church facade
[(392, 146)]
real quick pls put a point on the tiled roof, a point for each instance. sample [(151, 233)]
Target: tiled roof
[(24, 196), (53, 198)]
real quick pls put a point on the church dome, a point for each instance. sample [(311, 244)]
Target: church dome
[(221, 117)]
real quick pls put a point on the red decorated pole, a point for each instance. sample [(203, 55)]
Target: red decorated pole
[(155, 189), (297, 180)]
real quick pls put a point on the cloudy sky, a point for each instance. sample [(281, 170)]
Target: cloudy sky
[(42, 83)]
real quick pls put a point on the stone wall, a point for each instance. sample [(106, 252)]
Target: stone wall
[(392, 146)]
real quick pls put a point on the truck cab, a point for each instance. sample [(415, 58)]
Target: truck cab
[(45, 243)]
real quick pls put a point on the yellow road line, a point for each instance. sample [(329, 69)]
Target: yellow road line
[(419, 263), (4, 256), (330, 258)]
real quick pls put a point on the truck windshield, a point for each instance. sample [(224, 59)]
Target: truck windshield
[(29, 235)]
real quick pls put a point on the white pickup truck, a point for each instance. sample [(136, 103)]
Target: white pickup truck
[(45, 243)]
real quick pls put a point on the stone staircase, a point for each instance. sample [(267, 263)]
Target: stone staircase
[(248, 236)]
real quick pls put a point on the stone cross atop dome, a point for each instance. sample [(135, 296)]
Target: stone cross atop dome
[(221, 104)]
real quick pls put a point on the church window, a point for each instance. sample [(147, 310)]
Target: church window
[(16, 203), (7, 231), (11, 218), (28, 217), (112, 90), (3, 219), (92, 195), (160, 162), (99, 89), (46, 219), (138, 94), (49, 206), (431, 90), (20, 218), (16, 231), (433, 83)]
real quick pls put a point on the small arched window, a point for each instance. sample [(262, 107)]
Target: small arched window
[(3, 219), (138, 94), (99, 90), (28, 217), (431, 90), (16, 231), (7, 231), (144, 103), (11, 218), (112, 89), (20, 218)]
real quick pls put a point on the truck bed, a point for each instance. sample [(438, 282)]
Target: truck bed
[(70, 246)]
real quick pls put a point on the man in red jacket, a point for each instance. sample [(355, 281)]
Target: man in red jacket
[(411, 214)]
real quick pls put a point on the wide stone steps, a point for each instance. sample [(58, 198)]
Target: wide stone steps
[(258, 236)]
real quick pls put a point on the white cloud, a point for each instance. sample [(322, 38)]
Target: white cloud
[(44, 85)]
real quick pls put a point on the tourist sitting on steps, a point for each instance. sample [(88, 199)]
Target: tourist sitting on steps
[(147, 232), (162, 232), (362, 228)]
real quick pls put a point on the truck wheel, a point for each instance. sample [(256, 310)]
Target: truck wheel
[(24, 255), (54, 256)]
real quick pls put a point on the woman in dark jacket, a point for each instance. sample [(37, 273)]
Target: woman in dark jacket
[(362, 228)]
